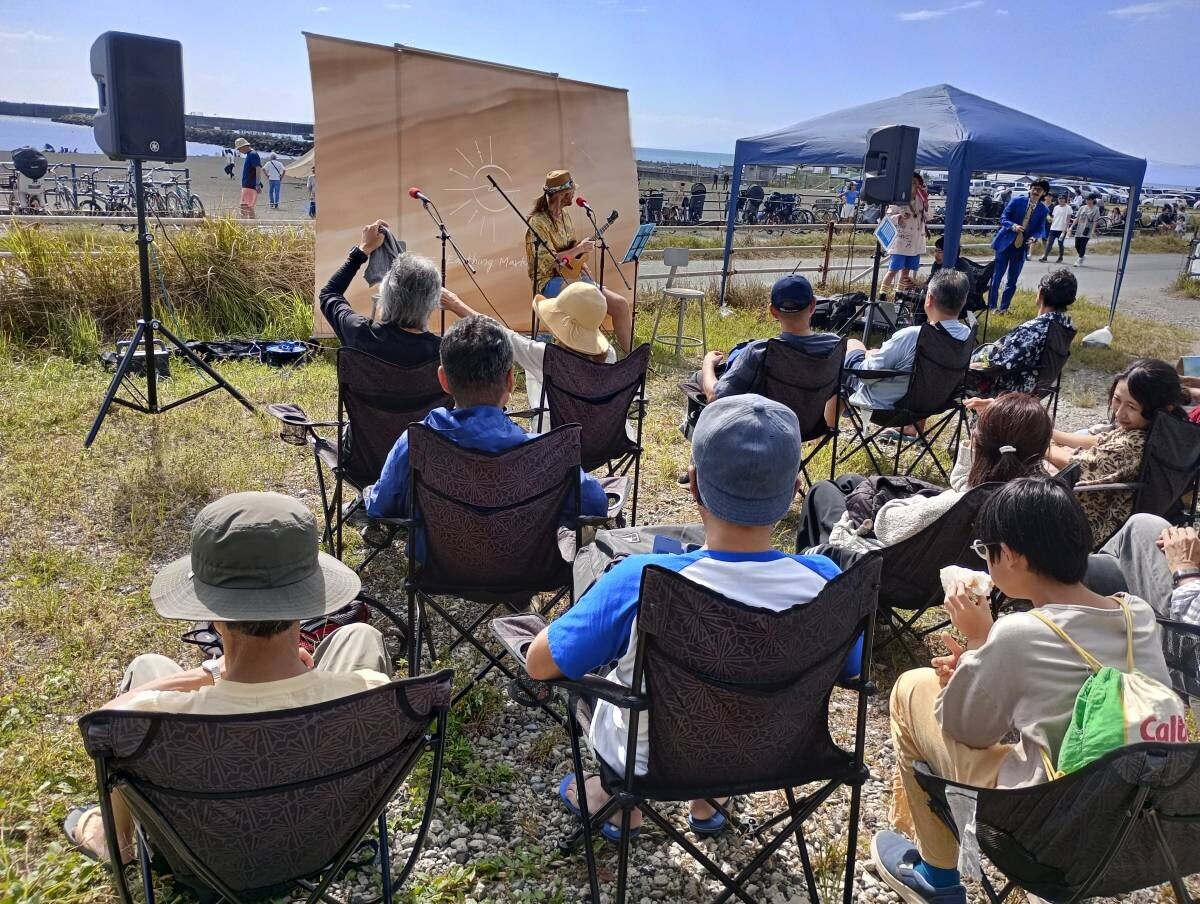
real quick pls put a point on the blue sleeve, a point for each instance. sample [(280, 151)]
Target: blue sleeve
[(1010, 217), (595, 631), (895, 354), (591, 495), (822, 565), (742, 373), (388, 496)]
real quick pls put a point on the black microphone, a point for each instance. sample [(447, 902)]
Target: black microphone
[(418, 195), (582, 202)]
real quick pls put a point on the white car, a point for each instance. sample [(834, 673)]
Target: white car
[(1164, 200)]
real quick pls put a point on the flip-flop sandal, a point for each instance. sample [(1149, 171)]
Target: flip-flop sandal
[(71, 823), (607, 829), (714, 825)]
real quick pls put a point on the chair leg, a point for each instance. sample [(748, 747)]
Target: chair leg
[(657, 319), (852, 843), (623, 850), (144, 865), (1181, 892), (385, 860), (703, 330), (679, 331), (585, 818), (414, 635), (809, 878)]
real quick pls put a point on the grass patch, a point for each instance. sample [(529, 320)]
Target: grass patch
[(1186, 286)]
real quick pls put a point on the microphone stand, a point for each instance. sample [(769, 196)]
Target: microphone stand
[(445, 239), (604, 251), (538, 241)]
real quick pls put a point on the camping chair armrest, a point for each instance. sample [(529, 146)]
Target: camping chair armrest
[(294, 416), (1109, 488), (594, 520), (525, 413), (864, 374), (397, 523), (694, 394), (593, 687)]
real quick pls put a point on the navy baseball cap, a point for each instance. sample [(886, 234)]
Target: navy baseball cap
[(792, 294), (746, 451)]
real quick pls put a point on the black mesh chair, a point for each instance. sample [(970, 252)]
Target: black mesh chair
[(376, 401), (737, 702), (804, 383), (246, 806), (1170, 471), (912, 584), (485, 529), (1127, 821), (1047, 370), (603, 398), (934, 393), (1181, 649)]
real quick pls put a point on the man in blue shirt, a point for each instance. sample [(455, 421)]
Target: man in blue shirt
[(477, 369), (251, 178), (746, 455), (945, 296), (1024, 218), (849, 197)]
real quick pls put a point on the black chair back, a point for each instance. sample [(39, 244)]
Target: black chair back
[(577, 390), (740, 695), (258, 801), (1170, 464), (1104, 831), (938, 372), (804, 383), (1055, 352), (380, 400), (489, 521), (1181, 649)]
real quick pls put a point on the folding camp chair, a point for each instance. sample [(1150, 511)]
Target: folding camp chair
[(804, 383), (1170, 470), (911, 580), (934, 393), (603, 398), (376, 402), (1181, 649), (485, 529), (1047, 370), (247, 806), (1127, 821), (737, 702)]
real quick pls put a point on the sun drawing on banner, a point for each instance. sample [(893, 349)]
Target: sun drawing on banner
[(485, 203)]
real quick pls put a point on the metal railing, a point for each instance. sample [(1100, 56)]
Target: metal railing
[(70, 188)]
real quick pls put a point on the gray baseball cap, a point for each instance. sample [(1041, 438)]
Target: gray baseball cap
[(746, 450), (254, 558)]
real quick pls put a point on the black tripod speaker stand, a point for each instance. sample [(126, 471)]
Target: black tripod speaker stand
[(144, 339)]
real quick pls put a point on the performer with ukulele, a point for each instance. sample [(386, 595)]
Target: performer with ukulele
[(568, 261)]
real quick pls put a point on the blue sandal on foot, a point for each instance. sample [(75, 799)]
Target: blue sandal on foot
[(607, 829)]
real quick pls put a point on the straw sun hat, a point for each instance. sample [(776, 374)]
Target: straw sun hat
[(575, 316), (556, 181), (240, 143)]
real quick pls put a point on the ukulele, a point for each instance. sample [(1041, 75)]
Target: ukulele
[(570, 265)]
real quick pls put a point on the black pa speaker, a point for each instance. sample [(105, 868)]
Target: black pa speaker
[(141, 97), (890, 163)]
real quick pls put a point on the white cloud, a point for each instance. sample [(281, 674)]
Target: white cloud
[(322, 9), (925, 15), (1001, 12), (31, 37), (1142, 10)]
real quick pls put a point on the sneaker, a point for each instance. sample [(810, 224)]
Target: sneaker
[(895, 857), (683, 479), (1041, 260), (1059, 261), (1079, 262)]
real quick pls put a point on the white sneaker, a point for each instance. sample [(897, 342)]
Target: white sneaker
[(1079, 262)]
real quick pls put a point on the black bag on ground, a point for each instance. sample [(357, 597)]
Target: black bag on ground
[(835, 312)]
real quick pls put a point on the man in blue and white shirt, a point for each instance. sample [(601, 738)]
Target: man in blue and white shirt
[(745, 458)]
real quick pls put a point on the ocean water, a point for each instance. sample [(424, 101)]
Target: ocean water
[(666, 155), (18, 131)]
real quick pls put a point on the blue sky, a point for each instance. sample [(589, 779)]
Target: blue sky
[(700, 73)]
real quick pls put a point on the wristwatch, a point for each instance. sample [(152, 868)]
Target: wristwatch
[(1179, 575), (213, 667)]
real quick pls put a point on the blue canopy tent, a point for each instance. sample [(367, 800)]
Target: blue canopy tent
[(961, 133)]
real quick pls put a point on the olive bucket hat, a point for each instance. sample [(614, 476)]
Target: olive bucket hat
[(254, 558)]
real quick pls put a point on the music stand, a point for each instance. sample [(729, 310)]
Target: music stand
[(634, 256)]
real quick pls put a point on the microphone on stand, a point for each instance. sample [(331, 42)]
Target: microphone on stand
[(582, 202), (417, 195)]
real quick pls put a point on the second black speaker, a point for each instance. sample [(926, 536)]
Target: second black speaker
[(141, 97), (889, 165)]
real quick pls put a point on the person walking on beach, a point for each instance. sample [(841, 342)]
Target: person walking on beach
[(849, 198), (274, 171), (311, 185), (251, 178)]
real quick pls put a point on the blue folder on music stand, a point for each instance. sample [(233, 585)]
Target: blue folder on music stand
[(638, 245)]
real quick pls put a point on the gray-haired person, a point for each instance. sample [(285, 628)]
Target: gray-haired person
[(408, 295)]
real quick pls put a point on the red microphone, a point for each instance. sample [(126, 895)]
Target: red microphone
[(416, 194), (582, 202)]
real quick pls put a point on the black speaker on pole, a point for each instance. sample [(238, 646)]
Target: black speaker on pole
[(140, 79), (890, 163)]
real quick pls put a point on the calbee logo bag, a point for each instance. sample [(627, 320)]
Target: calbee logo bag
[(1115, 708)]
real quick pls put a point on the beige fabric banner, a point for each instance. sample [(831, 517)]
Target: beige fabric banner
[(388, 118)]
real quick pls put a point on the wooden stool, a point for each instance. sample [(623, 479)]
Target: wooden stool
[(676, 258)]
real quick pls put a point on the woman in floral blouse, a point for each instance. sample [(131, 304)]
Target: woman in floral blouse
[(1112, 453)]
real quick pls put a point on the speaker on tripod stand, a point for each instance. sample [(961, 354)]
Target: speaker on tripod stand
[(887, 179), (140, 117)]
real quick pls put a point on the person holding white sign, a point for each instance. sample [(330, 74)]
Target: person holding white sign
[(909, 243)]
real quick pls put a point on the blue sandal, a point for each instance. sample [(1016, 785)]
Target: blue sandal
[(607, 829), (714, 825)]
